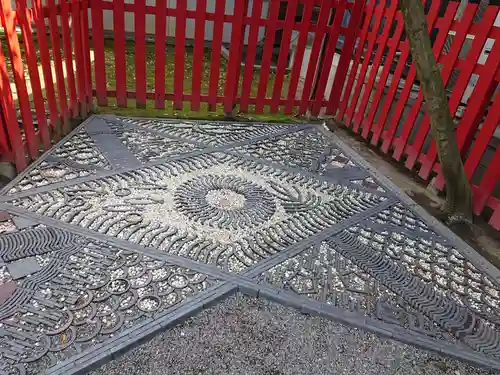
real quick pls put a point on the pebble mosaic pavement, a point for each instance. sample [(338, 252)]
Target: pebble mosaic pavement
[(129, 226)]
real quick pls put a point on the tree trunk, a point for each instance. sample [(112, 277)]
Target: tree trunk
[(458, 204)]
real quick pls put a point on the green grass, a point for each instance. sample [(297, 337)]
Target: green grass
[(186, 111)]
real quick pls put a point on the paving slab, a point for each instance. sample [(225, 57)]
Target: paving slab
[(136, 224)]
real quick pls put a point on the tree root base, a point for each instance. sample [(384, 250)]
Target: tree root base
[(458, 219)]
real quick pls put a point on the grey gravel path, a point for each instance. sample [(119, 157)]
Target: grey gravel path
[(245, 335)]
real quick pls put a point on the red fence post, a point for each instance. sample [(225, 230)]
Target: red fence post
[(390, 13), (5, 151), (216, 52), (68, 56), (160, 47), (10, 118), (86, 50), (354, 66), (180, 49), (7, 17), (56, 52), (79, 59), (198, 54), (312, 66), (483, 138), (345, 57), (299, 56), (31, 60), (251, 50), (393, 44), (234, 60), (265, 66), (326, 63), (45, 60), (140, 52), (291, 11), (486, 189), (367, 59), (119, 50), (99, 61)]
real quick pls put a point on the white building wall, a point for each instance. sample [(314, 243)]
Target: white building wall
[(190, 24)]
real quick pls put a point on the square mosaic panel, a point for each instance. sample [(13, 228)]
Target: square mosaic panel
[(82, 294), (128, 218)]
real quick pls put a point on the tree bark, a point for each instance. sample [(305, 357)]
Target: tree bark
[(458, 204)]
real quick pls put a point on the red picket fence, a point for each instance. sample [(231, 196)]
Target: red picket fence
[(245, 21), (347, 59), (46, 29), (34, 111), (383, 102)]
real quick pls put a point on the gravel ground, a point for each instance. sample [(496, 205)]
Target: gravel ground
[(244, 335)]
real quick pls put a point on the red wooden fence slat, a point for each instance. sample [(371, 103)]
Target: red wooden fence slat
[(12, 43), (86, 49), (400, 142), (478, 101), (447, 70), (326, 65), (98, 44), (355, 62), (180, 42), (390, 13), (345, 57), (265, 69), (58, 65), (119, 51), (234, 60), (140, 52), (9, 118), (409, 81), (377, 99), (250, 54), (243, 27), (5, 151), (32, 63), (160, 52), (283, 54), (216, 53), (312, 66), (198, 53), (46, 63), (379, 128), (79, 59), (488, 183), (476, 107), (483, 138), (68, 56), (379, 12), (299, 56), (495, 218), (458, 90)]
